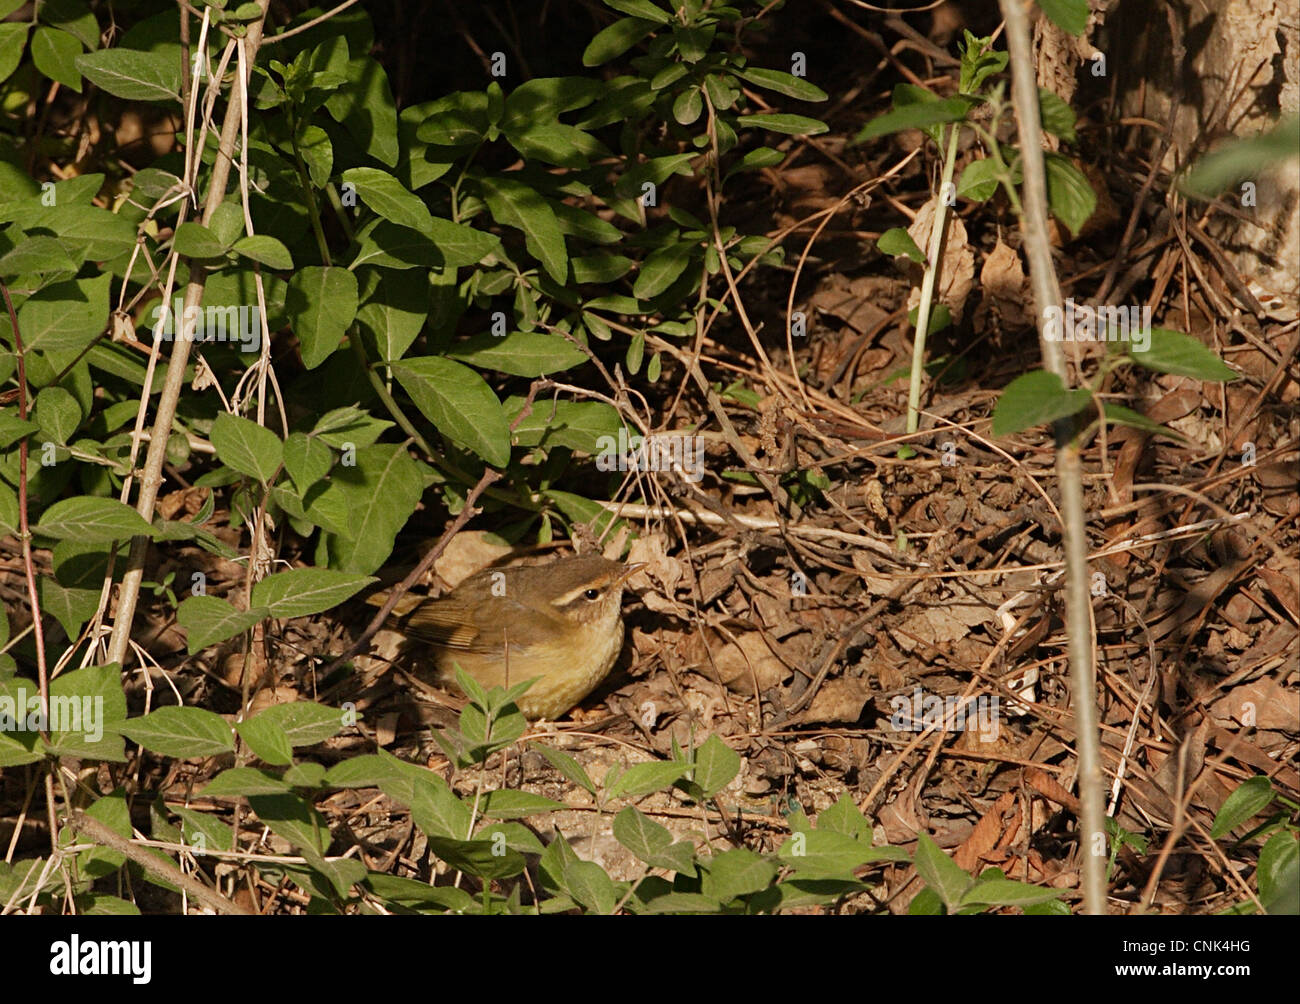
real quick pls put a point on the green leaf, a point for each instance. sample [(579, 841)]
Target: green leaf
[(194, 240), (91, 520), (661, 269), (1068, 15), (55, 54), (643, 778), (303, 591), (845, 817), (459, 403), (267, 741), (737, 872), (1069, 194), (367, 110), (784, 83), (246, 447), (979, 179), (940, 872), (1175, 352), (1058, 117), (1006, 892), (587, 882), (321, 302), (13, 39), (209, 620), (1240, 159), (384, 194), (1034, 398), (204, 831), (375, 497), (1247, 800), (1117, 414), (645, 9), (133, 74), (897, 241), (514, 204), (181, 732), (508, 804), (519, 353), (395, 312), (827, 854), (304, 723), (652, 842), (915, 108), (790, 125), (306, 459), (63, 317), (613, 41), (240, 782), (567, 766), (91, 708), (716, 765), (1278, 874), (267, 250), (452, 245)]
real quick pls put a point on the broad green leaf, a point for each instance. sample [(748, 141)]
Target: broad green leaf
[(579, 425), (515, 204), (1006, 892), (194, 240), (133, 74), (267, 741), (87, 709), (384, 194), (55, 54), (1034, 398), (304, 723), (459, 403), (367, 110), (827, 854), (267, 250), (375, 498), (590, 886), (1068, 15), (716, 765), (303, 591), (1175, 352), (915, 109), (13, 39), (898, 241), (395, 311), (790, 125), (1117, 414), (306, 459), (611, 42), (567, 766), (643, 778), (1242, 159), (241, 782), (661, 269), (246, 447), (784, 83), (181, 732), (941, 873), (1058, 117), (321, 303), (645, 9), (1278, 875), (519, 353), (452, 245), (1247, 800), (91, 520), (209, 620), (737, 872), (64, 317), (508, 804), (1069, 194)]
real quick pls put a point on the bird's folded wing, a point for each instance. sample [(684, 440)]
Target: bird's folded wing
[(452, 624)]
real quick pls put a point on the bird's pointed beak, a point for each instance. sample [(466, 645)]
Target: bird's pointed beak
[(629, 571)]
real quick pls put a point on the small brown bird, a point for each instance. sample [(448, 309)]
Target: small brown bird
[(560, 622)]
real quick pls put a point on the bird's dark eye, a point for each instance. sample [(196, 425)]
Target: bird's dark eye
[(592, 594)]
